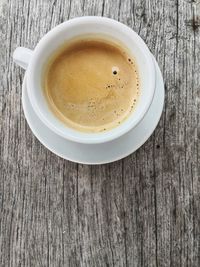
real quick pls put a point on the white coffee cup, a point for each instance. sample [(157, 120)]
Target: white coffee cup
[(34, 62)]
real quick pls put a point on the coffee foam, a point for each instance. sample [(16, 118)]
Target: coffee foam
[(92, 85)]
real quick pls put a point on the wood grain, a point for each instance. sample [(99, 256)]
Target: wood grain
[(140, 211)]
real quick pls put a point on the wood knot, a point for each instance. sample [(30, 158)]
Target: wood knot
[(194, 23)]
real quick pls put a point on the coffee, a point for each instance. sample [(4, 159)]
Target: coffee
[(92, 85)]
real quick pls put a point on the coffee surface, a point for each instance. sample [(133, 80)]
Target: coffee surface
[(92, 85)]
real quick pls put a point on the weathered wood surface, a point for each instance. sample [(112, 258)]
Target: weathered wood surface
[(141, 211)]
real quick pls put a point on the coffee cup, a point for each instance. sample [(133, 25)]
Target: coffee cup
[(34, 62)]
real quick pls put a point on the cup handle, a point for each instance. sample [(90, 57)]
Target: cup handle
[(22, 56)]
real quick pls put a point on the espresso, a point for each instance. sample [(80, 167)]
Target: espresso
[(92, 85)]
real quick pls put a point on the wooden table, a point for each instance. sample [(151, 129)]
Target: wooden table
[(141, 211)]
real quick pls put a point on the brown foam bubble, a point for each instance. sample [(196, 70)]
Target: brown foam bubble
[(91, 85)]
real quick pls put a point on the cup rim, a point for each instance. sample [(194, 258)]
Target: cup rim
[(90, 138)]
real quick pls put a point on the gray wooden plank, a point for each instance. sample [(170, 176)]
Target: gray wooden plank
[(140, 211)]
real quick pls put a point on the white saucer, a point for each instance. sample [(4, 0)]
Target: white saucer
[(100, 153)]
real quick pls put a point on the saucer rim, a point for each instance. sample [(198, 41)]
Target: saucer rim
[(121, 156)]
